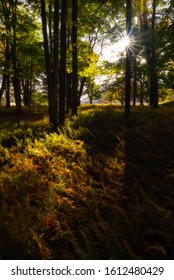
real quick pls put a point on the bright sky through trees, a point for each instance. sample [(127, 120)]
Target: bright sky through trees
[(112, 51)]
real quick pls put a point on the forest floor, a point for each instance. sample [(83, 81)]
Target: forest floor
[(102, 188)]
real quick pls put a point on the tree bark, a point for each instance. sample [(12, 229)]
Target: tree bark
[(74, 56), (151, 52), (135, 82), (82, 83), (52, 89), (7, 93), (3, 86), (16, 78), (68, 92), (154, 80), (62, 64), (128, 58), (55, 74)]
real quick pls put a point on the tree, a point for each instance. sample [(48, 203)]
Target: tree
[(51, 94), (55, 62), (147, 26), (74, 56), (128, 57), (63, 39), (5, 12), (165, 31), (16, 77), (52, 60), (152, 62)]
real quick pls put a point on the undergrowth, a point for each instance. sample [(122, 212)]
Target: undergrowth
[(102, 188)]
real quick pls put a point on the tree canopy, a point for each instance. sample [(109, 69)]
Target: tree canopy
[(67, 45)]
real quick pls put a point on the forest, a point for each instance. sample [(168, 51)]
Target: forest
[(86, 129)]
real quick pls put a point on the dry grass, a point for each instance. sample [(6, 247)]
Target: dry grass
[(101, 189)]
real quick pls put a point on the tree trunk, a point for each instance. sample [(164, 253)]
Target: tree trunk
[(154, 80), (55, 72), (16, 78), (74, 56), (31, 83), (3, 87), (128, 58), (62, 94), (68, 78), (50, 28), (51, 93), (82, 83), (151, 53), (141, 94), (7, 93), (135, 82), (68, 92), (25, 86), (7, 72)]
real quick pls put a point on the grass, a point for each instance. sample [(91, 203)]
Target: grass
[(100, 189)]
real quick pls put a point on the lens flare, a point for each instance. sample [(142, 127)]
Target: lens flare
[(125, 41)]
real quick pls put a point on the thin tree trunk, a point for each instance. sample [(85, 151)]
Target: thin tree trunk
[(50, 35), (62, 64), (68, 92), (26, 94), (74, 56), (128, 58), (141, 94), (52, 116), (31, 83), (83, 80), (154, 80), (16, 79), (3, 86), (55, 64), (151, 53), (7, 72), (68, 78), (135, 82), (7, 90)]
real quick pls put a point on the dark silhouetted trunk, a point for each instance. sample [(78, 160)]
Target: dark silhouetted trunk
[(68, 78), (151, 53), (68, 92), (141, 95), (26, 92), (50, 27), (62, 93), (27, 84), (52, 74), (153, 73), (74, 57), (47, 57), (16, 78), (7, 91), (7, 72), (128, 58), (55, 73), (135, 82)]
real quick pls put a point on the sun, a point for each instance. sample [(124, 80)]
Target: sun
[(125, 41)]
